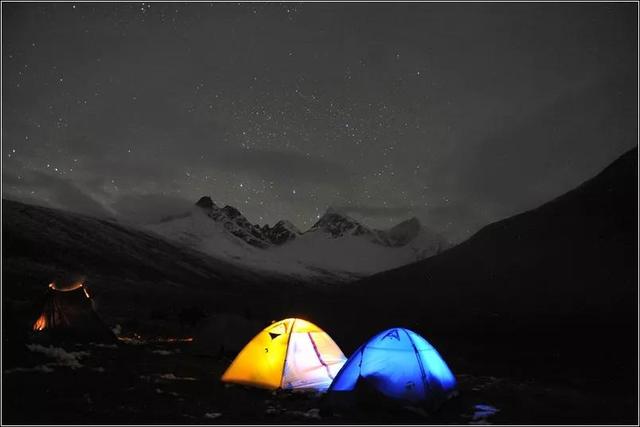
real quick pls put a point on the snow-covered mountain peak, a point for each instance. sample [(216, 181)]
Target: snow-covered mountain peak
[(233, 213), (404, 232), (287, 225), (232, 220), (336, 246), (338, 224), (282, 232), (206, 203)]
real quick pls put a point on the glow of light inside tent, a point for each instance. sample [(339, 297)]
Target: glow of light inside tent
[(41, 323)]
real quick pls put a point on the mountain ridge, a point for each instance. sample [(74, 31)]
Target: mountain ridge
[(337, 247), (333, 222)]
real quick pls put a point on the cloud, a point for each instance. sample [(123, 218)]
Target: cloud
[(456, 221), (149, 208), (547, 150), (54, 191), (284, 166), (376, 211)]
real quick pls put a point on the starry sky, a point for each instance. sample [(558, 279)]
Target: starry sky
[(459, 114)]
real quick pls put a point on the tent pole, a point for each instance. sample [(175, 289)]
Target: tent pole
[(286, 352), (425, 386)]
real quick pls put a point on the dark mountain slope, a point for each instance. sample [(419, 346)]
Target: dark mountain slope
[(550, 293), (132, 274), (575, 257), (79, 243)]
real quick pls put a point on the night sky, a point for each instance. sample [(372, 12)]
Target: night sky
[(459, 114)]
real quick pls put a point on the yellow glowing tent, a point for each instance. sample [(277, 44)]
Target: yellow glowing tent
[(289, 354)]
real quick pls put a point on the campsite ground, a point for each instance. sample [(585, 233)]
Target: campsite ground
[(173, 383), (582, 375)]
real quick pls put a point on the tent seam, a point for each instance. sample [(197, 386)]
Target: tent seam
[(286, 352), (322, 362), (415, 351)]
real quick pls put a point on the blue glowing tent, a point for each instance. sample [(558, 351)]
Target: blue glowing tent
[(400, 364)]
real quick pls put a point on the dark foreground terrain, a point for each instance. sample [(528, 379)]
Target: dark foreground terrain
[(172, 383), (536, 315)]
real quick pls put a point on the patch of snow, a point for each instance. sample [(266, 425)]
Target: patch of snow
[(39, 368), (170, 393), (271, 410), (481, 413), (171, 376), (117, 330), (94, 344), (212, 415), (165, 352), (64, 358), (311, 413)]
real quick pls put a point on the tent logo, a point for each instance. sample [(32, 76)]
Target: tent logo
[(392, 334), (277, 330)]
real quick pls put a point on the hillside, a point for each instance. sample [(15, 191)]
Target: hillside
[(132, 273), (551, 292), (573, 257)]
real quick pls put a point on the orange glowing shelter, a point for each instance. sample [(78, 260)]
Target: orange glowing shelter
[(68, 313)]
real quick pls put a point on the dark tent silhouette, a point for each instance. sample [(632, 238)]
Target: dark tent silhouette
[(68, 313)]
